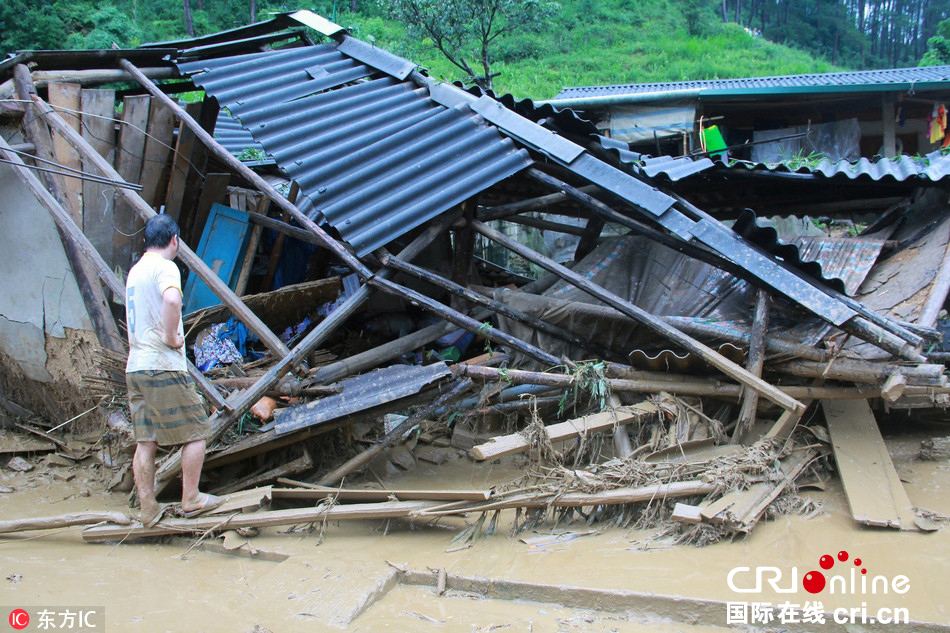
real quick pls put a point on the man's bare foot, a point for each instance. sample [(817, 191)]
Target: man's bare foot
[(203, 503)]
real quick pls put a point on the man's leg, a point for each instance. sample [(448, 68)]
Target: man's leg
[(192, 459), (143, 468)]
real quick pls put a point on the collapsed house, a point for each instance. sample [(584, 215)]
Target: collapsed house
[(372, 250)]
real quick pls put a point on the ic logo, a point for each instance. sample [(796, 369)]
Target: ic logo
[(19, 619)]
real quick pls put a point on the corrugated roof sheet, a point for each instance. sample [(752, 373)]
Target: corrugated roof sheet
[(374, 156), (235, 138), (934, 166), (361, 393), (842, 263), (887, 79)]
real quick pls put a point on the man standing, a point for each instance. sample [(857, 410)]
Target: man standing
[(166, 409)]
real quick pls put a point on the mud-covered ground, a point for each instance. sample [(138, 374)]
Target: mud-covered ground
[(342, 577)]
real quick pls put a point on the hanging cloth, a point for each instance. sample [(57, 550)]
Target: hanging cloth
[(938, 125)]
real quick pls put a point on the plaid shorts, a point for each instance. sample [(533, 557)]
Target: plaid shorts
[(166, 408)]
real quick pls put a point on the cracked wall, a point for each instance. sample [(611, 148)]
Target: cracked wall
[(39, 297)]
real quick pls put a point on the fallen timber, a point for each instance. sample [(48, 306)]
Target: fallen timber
[(683, 385), (713, 358), (419, 510), (517, 442)]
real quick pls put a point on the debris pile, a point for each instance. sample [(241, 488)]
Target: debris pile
[(348, 313)]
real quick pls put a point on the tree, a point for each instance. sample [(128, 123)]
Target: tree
[(464, 30), (938, 47)]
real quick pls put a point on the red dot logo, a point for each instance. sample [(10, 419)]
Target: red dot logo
[(826, 562), (19, 619), (813, 582), (842, 556)]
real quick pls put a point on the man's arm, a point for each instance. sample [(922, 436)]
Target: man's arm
[(171, 317)]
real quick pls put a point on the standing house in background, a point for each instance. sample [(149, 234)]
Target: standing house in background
[(846, 115)]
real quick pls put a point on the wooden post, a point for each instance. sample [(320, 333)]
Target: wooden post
[(464, 250), (589, 237), (253, 242), (754, 363), (186, 254), (657, 325)]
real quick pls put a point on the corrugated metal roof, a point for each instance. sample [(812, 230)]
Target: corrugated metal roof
[(375, 156), (927, 77), (842, 263), (934, 166), (361, 393), (235, 138)]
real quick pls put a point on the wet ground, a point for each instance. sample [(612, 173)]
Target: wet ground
[(610, 580)]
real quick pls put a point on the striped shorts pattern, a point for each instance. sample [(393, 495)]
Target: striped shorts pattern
[(166, 408)]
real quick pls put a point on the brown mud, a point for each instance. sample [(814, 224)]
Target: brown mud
[(339, 576)]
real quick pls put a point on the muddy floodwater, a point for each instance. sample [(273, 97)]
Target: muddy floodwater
[(342, 576)]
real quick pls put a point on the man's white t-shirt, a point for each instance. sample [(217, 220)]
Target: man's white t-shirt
[(151, 276)]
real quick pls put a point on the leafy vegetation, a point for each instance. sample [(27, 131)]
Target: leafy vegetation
[(585, 42)]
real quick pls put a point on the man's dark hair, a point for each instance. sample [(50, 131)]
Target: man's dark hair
[(159, 231)]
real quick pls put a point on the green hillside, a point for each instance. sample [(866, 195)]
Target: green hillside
[(607, 42), (587, 42)]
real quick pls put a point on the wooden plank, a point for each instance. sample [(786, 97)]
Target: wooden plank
[(875, 493), (158, 148), (518, 443), (127, 242), (316, 493), (65, 97), (181, 165), (98, 129), (686, 513)]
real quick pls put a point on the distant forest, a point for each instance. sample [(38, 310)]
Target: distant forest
[(586, 42)]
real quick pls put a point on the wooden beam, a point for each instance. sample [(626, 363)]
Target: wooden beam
[(518, 443), (654, 323), (82, 244), (158, 149), (754, 363), (66, 520)]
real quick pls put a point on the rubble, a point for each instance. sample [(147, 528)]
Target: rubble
[(659, 376)]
